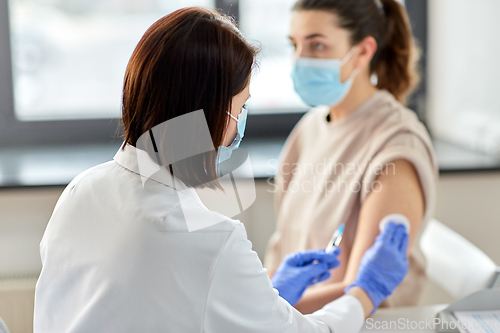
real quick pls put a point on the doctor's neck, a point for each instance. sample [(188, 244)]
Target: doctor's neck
[(361, 91)]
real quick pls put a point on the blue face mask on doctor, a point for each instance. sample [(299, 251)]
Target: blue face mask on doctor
[(225, 152), (317, 81)]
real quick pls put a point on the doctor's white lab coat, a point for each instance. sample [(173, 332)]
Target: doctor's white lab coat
[(117, 257)]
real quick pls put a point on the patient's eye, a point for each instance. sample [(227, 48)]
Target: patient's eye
[(318, 47)]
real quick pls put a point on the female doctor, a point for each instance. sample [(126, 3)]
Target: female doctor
[(117, 254)]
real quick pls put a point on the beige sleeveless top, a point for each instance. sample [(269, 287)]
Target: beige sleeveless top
[(327, 169)]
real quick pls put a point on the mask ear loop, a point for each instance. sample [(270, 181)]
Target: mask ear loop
[(238, 120), (354, 73), (232, 116), (348, 55), (347, 58)]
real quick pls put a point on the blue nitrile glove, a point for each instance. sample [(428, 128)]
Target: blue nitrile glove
[(384, 265), (302, 269)]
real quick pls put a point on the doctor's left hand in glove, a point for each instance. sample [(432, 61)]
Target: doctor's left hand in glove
[(301, 270)]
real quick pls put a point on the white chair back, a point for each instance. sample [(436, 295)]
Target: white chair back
[(454, 263)]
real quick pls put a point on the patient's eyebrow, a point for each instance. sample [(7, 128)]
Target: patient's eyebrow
[(311, 36), (315, 35)]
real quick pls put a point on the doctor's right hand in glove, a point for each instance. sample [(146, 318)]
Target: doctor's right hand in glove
[(384, 265)]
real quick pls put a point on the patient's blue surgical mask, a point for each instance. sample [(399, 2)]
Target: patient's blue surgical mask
[(225, 152), (317, 81)]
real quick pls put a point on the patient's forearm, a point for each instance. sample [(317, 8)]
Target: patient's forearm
[(315, 299)]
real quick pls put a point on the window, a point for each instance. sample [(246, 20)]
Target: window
[(268, 22), (463, 76), (69, 57)]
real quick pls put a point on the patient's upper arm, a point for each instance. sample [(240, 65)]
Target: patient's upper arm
[(397, 190)]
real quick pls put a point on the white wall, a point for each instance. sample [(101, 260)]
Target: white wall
[(24, 213), (462, 75), (470, 204)]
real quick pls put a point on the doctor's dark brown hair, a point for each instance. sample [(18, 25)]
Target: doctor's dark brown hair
[(191, 59), (395, 62)]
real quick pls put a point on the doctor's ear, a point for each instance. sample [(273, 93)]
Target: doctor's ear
[(366, 49)]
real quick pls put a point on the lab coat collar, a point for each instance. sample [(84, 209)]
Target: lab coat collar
[(139, 162)]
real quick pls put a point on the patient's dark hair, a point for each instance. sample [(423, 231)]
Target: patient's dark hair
[(191, 59), (395, 62)]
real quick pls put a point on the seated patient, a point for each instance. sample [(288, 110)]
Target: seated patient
[(359, 154)]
